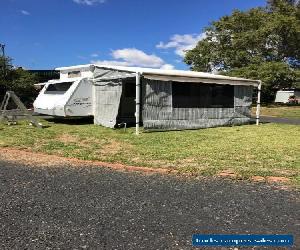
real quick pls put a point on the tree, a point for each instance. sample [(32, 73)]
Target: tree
[(264, 39), (272, 4), (5, 67), (274, 75), (22, 83), (18, 80)]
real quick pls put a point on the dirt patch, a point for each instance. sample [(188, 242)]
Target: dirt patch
[(227, 174), (74, 139), (113, 147), (33, 159), (67, 138), (40, 159), (192, 163), (275, 179), (258, 178)]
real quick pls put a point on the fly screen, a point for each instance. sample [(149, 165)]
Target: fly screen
[(199, 95)]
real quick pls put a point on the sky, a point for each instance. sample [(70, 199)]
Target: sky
[(45, 34)]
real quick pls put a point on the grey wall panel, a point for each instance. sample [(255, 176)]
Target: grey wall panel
[(158, 112), (192, 124), (107, 97), (101, 74)]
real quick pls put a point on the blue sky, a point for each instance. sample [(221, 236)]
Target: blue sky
[(44, 34)]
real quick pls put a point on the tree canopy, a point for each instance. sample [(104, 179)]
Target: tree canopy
[(18, 80), (261, 43)]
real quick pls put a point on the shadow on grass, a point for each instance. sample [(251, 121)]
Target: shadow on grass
[(71, 120), (253, 121)]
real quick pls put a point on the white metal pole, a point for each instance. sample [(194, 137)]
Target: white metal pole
[(137, 101), (258, 103)]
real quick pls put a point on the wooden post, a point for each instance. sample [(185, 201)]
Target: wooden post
[(258, 103)]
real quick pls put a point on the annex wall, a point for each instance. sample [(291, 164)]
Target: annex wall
[(158, 112)]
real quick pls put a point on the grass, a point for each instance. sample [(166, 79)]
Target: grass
[(266, 150), (280, 111)]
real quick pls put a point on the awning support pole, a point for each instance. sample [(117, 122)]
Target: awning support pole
[(258, 103), (137, 101)]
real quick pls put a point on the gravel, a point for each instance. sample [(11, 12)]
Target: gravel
[(292, 121), (87, 207)]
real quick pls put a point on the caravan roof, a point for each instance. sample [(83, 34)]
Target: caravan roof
[(55, 81), (169, 75)]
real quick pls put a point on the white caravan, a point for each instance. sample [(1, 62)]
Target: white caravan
[(71, 95), (282, 96)]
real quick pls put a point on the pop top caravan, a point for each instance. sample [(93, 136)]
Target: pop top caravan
[(157, 99), (71, 95)]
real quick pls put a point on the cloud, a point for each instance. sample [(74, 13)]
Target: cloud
[(181, 43), (94, 55), (111, 62), (89, 2), (137, 57), (134, 57), (25, 12), (167, 66)]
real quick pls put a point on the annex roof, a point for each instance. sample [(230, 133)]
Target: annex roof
[(171, 75)]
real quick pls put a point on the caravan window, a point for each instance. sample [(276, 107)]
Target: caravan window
[(58, 88), (74, 74)]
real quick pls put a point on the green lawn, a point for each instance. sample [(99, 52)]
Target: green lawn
[(265, 150), (277, 111)]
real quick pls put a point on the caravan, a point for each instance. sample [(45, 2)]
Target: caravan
[(71, 95), (155, 98)]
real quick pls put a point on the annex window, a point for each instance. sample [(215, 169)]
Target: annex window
[(58, 88), (199, 95)]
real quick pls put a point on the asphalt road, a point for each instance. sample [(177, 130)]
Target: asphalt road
[(292, 121), (97, 208)]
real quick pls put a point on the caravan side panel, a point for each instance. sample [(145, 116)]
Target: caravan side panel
[(80, 102)]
